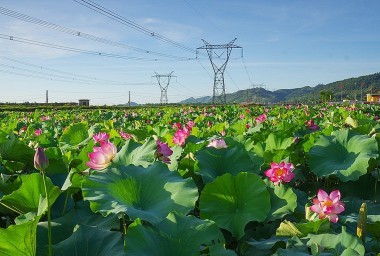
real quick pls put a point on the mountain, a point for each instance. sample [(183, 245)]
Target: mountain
[(350, 88), (206, 99), (132, 104)]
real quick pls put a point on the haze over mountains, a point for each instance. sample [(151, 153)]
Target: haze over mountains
[(350, 88)]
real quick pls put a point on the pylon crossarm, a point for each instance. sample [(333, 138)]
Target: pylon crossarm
[(163, 82), (219, 86)]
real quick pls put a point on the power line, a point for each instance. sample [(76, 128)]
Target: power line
[(204, 17), (114, 16), (192, 91), (44, 76), (31, 76), (204, 68), (230, 77), (62, 78), (77, 33), (72, 76), (246, 70), (65, 48)]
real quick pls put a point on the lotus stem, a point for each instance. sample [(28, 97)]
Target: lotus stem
[(48, 214), (65, 204)]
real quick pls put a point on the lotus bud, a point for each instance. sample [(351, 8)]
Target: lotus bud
[(362, 222), (309, 215), (41, 162)]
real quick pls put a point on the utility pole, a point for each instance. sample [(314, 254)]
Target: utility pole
[(129, 98), (163, 82), (219, 90), (47, 96)]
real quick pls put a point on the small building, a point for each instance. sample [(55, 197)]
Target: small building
[(84, 102), (373, 97)]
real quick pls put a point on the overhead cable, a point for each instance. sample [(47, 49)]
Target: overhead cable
[(77, 33), (114, 16), (65, 48), (67, 75)]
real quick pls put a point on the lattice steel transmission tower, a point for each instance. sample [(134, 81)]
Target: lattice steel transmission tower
[(219, 91), (163, 82)]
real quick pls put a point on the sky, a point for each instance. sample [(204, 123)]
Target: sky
[(75, 52)]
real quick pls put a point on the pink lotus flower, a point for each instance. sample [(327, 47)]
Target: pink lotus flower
[(125, 135), (217, 143), (190, 124), (328, 206), (280, 172), (163, 151), (45, 118), (261, 118), (101, 136), (176, 126), (311, 125), (180, 136), (38, 132), (102, 156), (242, 116)]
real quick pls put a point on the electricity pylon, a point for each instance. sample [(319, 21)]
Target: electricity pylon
[(219, 91), (163, 82)]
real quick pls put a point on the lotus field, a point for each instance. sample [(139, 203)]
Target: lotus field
[(224, 180)]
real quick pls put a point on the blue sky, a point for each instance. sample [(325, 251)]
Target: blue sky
[(286, 44)]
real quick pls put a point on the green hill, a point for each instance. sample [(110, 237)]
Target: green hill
[(350, 88)]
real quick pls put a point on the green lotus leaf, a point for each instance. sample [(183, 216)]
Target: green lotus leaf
[(239, 126), (176, 235), (291, 229), (278, 141), (214, 162), (90, 241), (19, 239), (351, 121), (373, 226), (338, 243), (62, 228), (283, 200), (56, 162), (136, 154), (177, 151), (343, 154), (286, 252), (146, 193), (12, 149), (74, 135), (265, 247), (27, 197), (233, 201), (218, 250)]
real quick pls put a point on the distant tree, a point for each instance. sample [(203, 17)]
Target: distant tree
[(326, 95)]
